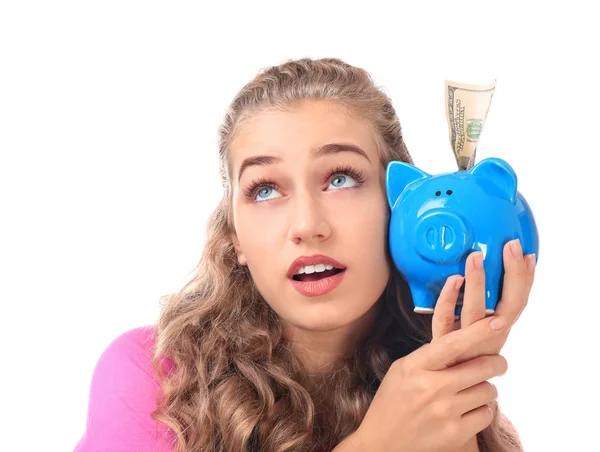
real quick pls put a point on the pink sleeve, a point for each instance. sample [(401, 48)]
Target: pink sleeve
[(123, 393)]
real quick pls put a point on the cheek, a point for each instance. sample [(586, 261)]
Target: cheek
[(372, 220), (370, 236), (255, 233)]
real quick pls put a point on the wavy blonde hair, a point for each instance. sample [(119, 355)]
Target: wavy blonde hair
[(236, 385)]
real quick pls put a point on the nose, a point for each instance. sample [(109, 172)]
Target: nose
[(442, 236), (307, 221)]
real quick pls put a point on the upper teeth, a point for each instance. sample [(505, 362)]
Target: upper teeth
[(308, 269)]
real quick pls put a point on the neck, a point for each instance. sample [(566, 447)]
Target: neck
[(321, 350)]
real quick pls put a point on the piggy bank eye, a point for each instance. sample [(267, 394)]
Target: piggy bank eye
[(448, 192), (438, 193)]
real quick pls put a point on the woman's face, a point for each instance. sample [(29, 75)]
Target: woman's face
[(290, 200)]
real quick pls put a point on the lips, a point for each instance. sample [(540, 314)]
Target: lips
[(315, 259), (318, 287)]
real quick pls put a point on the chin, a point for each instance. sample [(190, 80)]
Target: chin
[(321, 319)]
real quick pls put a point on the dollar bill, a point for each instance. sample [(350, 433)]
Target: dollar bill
[(467, 106)]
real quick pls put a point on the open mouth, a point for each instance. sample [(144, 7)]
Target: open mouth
[(316, 276)]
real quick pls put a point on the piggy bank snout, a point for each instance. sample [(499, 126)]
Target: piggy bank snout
[(442, 236)]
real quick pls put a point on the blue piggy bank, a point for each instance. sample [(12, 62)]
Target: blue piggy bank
[(437, 221)]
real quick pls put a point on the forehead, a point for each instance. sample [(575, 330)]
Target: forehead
[(300, 128)]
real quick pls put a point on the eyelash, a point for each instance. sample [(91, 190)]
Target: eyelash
[(356, 174)]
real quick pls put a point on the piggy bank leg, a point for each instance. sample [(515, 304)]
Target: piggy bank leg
[(492, 285), (459, 303), (423, 300)]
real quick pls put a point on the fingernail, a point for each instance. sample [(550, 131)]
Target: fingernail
[(495, 389), (497, 323), (530, 262), (515, 249), (478, 260), (458, 282)]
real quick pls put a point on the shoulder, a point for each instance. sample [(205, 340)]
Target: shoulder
[(126, 363), (132, 349), (123, 394)]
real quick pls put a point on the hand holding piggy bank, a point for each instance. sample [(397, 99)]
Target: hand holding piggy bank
[(436, 221)]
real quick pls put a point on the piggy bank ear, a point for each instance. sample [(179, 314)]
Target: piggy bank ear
[(398, 176), (499, 174)]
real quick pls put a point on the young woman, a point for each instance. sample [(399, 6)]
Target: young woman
[(296, 332)]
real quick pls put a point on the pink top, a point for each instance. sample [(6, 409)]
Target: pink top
[(123, 394)]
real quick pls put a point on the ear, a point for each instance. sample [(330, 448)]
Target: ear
[(238, 250), (397, 176), (499, 174)]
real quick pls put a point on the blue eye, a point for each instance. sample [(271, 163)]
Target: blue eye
[(265, 191), (261, 189), (341, 179)]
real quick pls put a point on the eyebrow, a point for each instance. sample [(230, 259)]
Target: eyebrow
[(321, 151)]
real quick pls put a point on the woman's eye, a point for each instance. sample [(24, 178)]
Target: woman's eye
[(264, 192), (339, 180)]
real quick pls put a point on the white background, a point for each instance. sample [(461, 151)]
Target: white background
[(108, 120)]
